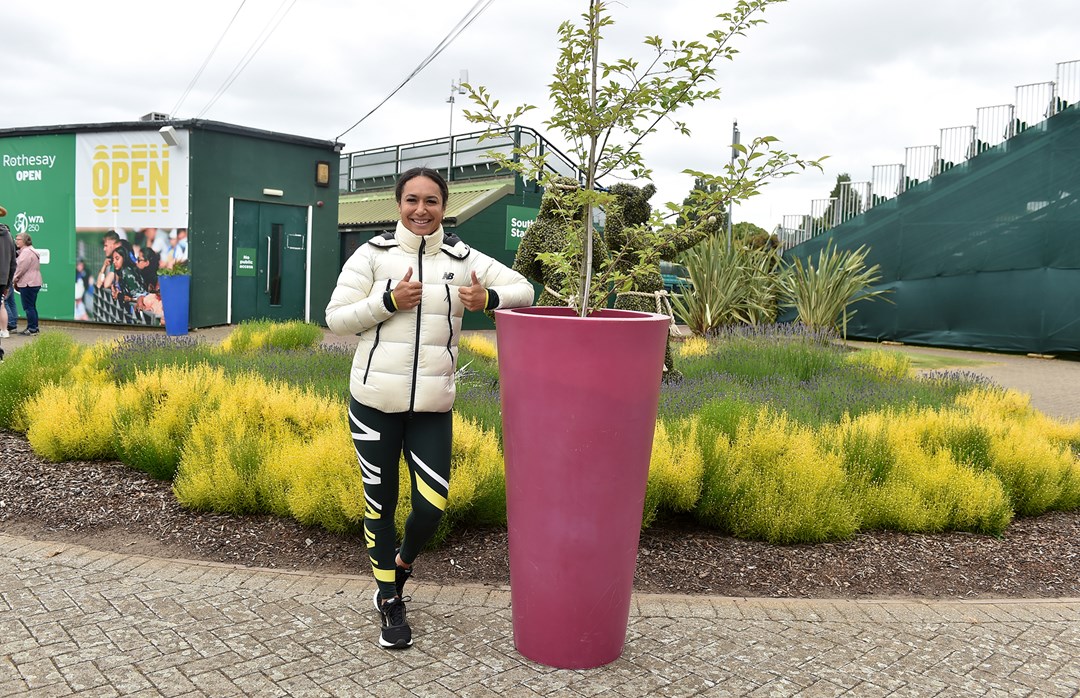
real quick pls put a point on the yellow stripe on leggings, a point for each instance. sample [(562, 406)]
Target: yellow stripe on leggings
[(431, 495), (383, 575)]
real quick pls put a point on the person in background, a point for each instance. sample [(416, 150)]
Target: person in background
[(128, 286), (148, 263), (404, 294), (27, 280), (84, 290), (177, 250), (151, 239), (181, 253), (10, 310), (110, 242), (7, 271)]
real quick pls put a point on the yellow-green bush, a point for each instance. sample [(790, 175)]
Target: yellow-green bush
[(258, 334), (676, 470), (69, 422), (479, 345), (889, 363), (92, 365), (693, 346), (1014, 406), (1031, 454), (224, 454), (478, 475), (156, 410), (219, 463), (901, 481), (996, 403), (867, 452), (931, 492), (775, 483), (1037, 474), (24, 372), (243, 444), (316, 482)]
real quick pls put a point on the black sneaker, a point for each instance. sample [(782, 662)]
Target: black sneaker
[(28, 332), (396, 633)]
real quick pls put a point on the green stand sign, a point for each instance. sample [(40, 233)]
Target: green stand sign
[(518, 220)]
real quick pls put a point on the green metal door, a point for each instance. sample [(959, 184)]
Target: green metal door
[(269, 262)]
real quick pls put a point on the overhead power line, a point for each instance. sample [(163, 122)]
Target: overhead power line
[(461, 26), (249, 55), (191, 85)]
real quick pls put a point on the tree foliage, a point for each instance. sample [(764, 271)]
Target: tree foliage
[(605, 110)]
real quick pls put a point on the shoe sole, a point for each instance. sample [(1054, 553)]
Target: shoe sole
[(383, 643), (395, 645)]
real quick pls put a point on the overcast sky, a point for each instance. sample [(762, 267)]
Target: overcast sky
[(857, 80)]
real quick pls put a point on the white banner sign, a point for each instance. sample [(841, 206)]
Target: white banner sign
[(131, 180)]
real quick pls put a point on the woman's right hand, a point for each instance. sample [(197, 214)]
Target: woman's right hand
[(407, 292)]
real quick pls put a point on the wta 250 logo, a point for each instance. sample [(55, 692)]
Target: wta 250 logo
[(28, 224)]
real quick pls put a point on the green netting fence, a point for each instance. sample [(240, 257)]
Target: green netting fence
[(985, 255)]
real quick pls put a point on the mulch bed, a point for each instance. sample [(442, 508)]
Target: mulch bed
[(108, 506)]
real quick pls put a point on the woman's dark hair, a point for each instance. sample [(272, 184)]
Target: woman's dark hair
[(421, 172)]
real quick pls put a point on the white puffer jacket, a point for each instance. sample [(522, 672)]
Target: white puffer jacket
[(406, 359)]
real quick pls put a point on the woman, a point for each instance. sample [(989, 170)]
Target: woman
[(27, 280), (128, 286), (404, 294)]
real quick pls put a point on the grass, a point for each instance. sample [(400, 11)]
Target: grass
[(928, 362), (776, 433)]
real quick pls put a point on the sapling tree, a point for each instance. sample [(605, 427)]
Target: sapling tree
[(605, 110)]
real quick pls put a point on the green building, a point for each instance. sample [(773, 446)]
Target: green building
[(254, 213)]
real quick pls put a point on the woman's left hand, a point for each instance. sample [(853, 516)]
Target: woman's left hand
[(473, 296)]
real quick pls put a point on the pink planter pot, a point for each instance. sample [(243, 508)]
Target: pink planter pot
[(579, 400)]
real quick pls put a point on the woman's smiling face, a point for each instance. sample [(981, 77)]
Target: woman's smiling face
[(421, 206)]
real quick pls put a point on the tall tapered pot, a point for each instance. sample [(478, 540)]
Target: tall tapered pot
[(579, 402)]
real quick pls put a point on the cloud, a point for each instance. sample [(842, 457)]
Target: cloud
[(859, 81)]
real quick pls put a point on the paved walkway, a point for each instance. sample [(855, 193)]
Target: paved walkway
[(75, 621), (79, 621), (1053, 384)]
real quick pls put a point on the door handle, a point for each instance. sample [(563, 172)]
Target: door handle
[(268, 264)]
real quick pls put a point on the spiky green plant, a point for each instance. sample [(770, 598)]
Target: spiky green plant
[(821, 294), (731, 286)]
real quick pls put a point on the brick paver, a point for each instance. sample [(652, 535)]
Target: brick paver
[(132, 625)]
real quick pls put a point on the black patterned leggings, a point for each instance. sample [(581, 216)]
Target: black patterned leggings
[(380, 438)]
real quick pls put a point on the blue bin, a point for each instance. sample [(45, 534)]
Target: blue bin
[(175, 294)]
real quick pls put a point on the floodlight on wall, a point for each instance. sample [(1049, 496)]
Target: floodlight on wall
[(273, 192), (168, 134)]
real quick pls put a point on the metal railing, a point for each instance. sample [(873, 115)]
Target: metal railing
[(457, 158), (1034, 103)]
